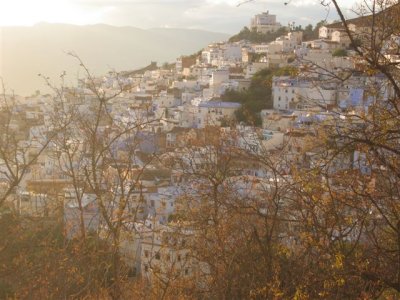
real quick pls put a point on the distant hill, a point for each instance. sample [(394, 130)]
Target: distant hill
[(27, 51)]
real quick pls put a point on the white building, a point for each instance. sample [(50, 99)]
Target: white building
[(86, 207), (253, 68), (260, 48), (211, 54), (342, 38), (264, 23), (325, 32), (213, 112), (218, 77), (232, 52), (166, 100), (162, 203), (293, 93), (165, 254), (287, 43)]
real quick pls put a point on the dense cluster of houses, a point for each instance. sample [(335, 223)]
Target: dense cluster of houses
[(178, 105)]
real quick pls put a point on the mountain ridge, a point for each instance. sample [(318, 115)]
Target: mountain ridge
[(41, 48)]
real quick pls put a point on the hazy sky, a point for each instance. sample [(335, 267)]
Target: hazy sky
[(214, 15)]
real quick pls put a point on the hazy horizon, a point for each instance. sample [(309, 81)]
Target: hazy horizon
[(28, 51), (105, 24), (212, 15), (25, 51)]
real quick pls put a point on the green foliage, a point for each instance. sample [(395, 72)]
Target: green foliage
[(311, 33), (153, 66), (194, 55), (258, 96), (356, 43), (255, 57), (168, 66), (257, 37), (339, 52)]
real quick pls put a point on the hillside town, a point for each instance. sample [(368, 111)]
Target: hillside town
[(124, 155)]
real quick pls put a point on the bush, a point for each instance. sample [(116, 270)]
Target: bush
[(339, 53)]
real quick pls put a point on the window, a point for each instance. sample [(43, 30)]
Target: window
[(157, 256), (146, 268), (146, 253)]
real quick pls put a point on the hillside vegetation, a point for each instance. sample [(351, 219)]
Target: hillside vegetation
[(258, 96), (310, 32)]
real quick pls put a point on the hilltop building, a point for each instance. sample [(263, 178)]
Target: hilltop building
[(264, 23)]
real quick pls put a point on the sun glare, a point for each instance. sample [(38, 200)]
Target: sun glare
[(29, 12)]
